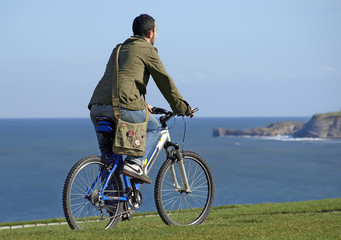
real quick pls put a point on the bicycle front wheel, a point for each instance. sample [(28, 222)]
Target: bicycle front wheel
[(178, 205), (82, 204)]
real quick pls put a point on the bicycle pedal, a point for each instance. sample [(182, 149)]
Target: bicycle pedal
[(126, 216)]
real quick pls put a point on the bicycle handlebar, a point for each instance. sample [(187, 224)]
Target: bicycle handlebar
[(156, 110), (195, 110), (167, 114)]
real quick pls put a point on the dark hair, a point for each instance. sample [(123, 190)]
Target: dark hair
[(142, 24)]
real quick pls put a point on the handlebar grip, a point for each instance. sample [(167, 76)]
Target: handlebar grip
[(195, 110)]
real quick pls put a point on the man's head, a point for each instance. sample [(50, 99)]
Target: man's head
[(145, 26)]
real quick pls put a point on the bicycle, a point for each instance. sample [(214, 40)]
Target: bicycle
[(94, 197)]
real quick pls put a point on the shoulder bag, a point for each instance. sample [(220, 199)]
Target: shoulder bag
[(130, 138)]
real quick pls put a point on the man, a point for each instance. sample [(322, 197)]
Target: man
[(138, 59)]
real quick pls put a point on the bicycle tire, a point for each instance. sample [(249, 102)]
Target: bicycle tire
[(80, 199), (177, 207)]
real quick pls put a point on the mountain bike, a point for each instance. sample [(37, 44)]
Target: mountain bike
[(96, 195)]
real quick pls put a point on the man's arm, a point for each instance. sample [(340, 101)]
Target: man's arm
[(166, 84)]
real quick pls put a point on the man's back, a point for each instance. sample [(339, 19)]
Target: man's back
[(137, 60), (132, 77)]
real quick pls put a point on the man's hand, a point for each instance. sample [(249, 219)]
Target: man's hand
[(189, 112), (150, 108)]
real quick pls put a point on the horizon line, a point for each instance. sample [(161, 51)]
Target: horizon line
[(272, 116)]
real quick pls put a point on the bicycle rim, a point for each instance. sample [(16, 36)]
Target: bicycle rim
[(174, 205), (83, 208)]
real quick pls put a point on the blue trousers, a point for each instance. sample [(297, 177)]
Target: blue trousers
[(105, 143)]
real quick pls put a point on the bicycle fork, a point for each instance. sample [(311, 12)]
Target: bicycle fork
[(180, 161)]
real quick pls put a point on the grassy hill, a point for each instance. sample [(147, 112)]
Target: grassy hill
[(330, 114), (319, 219)]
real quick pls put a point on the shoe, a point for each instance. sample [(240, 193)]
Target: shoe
[(135, 171)]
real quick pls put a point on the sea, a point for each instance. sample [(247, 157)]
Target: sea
[(37, 154)]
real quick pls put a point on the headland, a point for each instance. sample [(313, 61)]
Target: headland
[(325, 126)]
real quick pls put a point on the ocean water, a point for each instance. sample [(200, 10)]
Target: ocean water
[(37, 154)]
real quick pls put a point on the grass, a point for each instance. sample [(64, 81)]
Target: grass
[(319, 219), (330, 114)]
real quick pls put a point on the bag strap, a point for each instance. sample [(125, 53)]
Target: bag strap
[(115, 97), (114, 90)]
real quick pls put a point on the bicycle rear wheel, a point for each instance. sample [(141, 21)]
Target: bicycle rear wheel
[(173, 203), (83, 208)]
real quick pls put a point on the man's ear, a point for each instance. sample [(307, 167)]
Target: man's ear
[(150, 34)]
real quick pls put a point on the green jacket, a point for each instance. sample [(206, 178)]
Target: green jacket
[(138, 59)]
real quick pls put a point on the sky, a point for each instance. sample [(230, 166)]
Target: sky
[(228, 58)]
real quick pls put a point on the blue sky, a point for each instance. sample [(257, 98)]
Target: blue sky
[(229, 58)]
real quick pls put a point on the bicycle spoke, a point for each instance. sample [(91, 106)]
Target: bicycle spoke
[(178, 205), (81, 203)]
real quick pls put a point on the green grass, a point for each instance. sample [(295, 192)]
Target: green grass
[(330, 114), (320, 219)]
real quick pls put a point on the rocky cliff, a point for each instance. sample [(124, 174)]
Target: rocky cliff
[(322, 126), (319, 126), (274, 129)]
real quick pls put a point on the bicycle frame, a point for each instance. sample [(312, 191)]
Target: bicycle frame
[(95, 194), (163, 142)]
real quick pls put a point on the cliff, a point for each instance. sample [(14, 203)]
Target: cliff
[(319, 126), (322, 126), (274, 129)]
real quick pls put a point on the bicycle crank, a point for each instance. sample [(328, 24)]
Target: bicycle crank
[(134, 199)]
